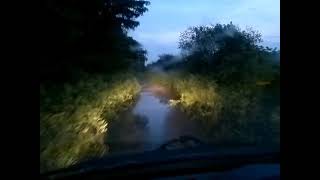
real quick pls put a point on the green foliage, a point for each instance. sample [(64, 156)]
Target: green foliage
[(211, 39), (90, 36), (236, 113), (228, 53), (197, 96), (74, 120)]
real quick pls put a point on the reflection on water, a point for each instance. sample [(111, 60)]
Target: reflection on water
[(155, 111), (149, 124)]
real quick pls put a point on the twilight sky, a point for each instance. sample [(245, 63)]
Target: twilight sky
[(162, 24)]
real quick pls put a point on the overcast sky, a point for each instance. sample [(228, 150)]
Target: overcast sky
[(162, 24)]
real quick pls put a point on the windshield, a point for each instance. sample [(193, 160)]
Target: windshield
[(130, 76)]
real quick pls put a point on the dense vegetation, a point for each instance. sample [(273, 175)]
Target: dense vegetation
[(90, 36), (73, 120), (222, 78), (229, 114), (84, 73)]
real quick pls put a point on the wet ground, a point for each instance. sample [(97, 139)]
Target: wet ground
[(150, 123)]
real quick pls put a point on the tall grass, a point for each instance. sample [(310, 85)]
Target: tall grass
[(74, 119), (229, 113)]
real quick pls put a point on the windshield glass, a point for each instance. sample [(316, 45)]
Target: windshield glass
[(129, 76)]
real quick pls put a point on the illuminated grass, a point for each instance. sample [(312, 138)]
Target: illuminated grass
[(229, 114), (198, 96), (73, 123)]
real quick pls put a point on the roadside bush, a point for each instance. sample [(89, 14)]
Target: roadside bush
[(236, 113), (74, 119)]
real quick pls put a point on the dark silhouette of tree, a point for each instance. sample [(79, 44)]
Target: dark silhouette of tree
[(209, 40), (228, 53), (163, 62), (89, 35)]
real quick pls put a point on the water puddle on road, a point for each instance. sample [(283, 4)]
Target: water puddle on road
[(149, 124)]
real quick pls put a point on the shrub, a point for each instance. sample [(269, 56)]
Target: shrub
[(229, 113), (74, 120)]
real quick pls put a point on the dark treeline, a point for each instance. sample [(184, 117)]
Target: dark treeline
[(90, 36), (224, 52)]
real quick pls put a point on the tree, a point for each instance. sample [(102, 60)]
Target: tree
[(163, 61), (88, 34), (209, 40), (227, 52), (93, 18)]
